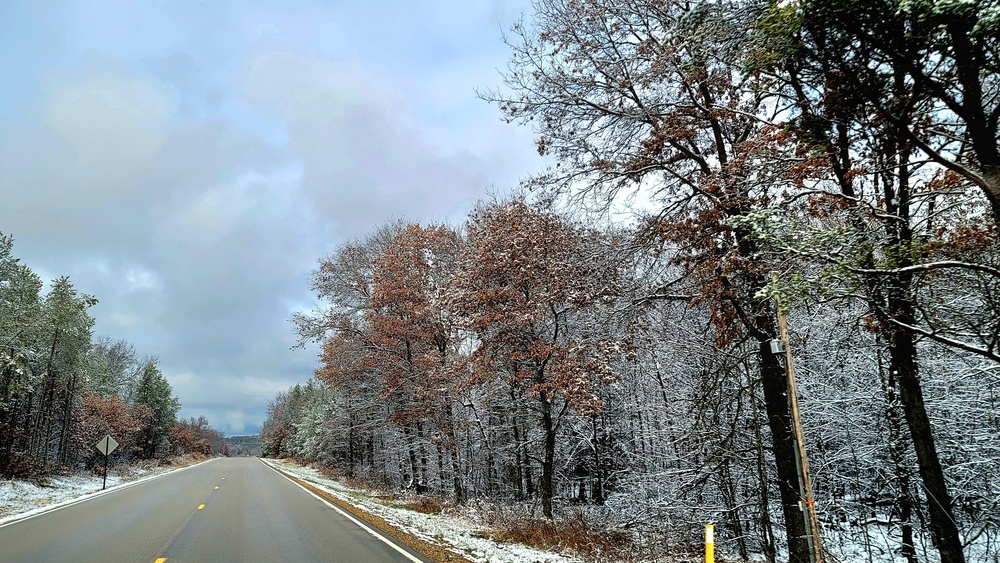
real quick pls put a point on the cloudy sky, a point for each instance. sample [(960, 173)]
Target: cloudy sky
[(188, 162)]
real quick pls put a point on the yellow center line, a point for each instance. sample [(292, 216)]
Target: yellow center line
[(217, 488), (160, 560), (223, 478), (200, 506)]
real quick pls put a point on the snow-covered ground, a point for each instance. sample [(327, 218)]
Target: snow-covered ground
[(19, 499), (454, 531), (879, 545)]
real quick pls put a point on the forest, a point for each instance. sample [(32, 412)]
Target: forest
[(62, 389), (601, 341)]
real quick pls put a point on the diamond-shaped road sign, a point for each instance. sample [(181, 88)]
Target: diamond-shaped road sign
[(107, 445)]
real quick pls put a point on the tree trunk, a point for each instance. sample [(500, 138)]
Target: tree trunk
[(456, 471), (903, 354), (730, 497), (991, 177), (25, 437), (40, 429), (440, 469), (67, 425), (7, 420), (774, 383), (421, 446), (369, 450), (903, 365), (489, 470), (519, 494), (49, 405), (548, 456), (456, 466), (350, 442), (411, 455), (767, 531), (897, 452), (597, 493)]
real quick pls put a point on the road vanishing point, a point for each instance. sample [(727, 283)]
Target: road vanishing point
[(227, 509)]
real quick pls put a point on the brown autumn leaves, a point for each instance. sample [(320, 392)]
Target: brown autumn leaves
[(503, 308)]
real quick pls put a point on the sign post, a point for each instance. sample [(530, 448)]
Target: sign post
[(106, 446)]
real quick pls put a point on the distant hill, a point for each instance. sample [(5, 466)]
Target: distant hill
[(243, 445)]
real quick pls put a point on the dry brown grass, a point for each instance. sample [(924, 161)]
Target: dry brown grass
[(572, 534), (131, 470), (427, 505), (369, 489), (180, 460)]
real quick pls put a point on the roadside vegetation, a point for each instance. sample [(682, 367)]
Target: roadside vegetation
[(62, 389), (553, 358)]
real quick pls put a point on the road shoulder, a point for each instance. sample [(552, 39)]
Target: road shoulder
[(433, 552)]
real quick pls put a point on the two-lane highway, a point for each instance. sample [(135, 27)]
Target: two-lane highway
[(230, 509)]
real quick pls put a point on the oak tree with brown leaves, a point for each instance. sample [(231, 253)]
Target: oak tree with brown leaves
[(527, 278), (649, 97), (411, 341)]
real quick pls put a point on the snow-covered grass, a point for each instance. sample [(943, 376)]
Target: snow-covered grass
[(465, 532), (879, 543), (454, 530), (19, 499)]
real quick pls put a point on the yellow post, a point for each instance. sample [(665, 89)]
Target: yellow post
[(709, 543)]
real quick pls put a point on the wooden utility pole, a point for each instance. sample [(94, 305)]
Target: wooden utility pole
[(808, 503)]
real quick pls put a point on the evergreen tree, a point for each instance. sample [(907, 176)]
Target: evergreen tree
[(155, 392)]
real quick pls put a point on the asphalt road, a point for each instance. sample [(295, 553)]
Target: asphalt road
[(229, 509)]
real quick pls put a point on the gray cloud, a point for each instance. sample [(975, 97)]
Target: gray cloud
[(193, 186), (362, 158)]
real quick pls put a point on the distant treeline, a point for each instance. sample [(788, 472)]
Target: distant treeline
[(243, 445)]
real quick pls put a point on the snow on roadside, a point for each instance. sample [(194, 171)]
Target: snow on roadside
[(456, 532), (19, 499)]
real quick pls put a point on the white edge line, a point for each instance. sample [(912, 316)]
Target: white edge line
[(382, 538), (35, 512)]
